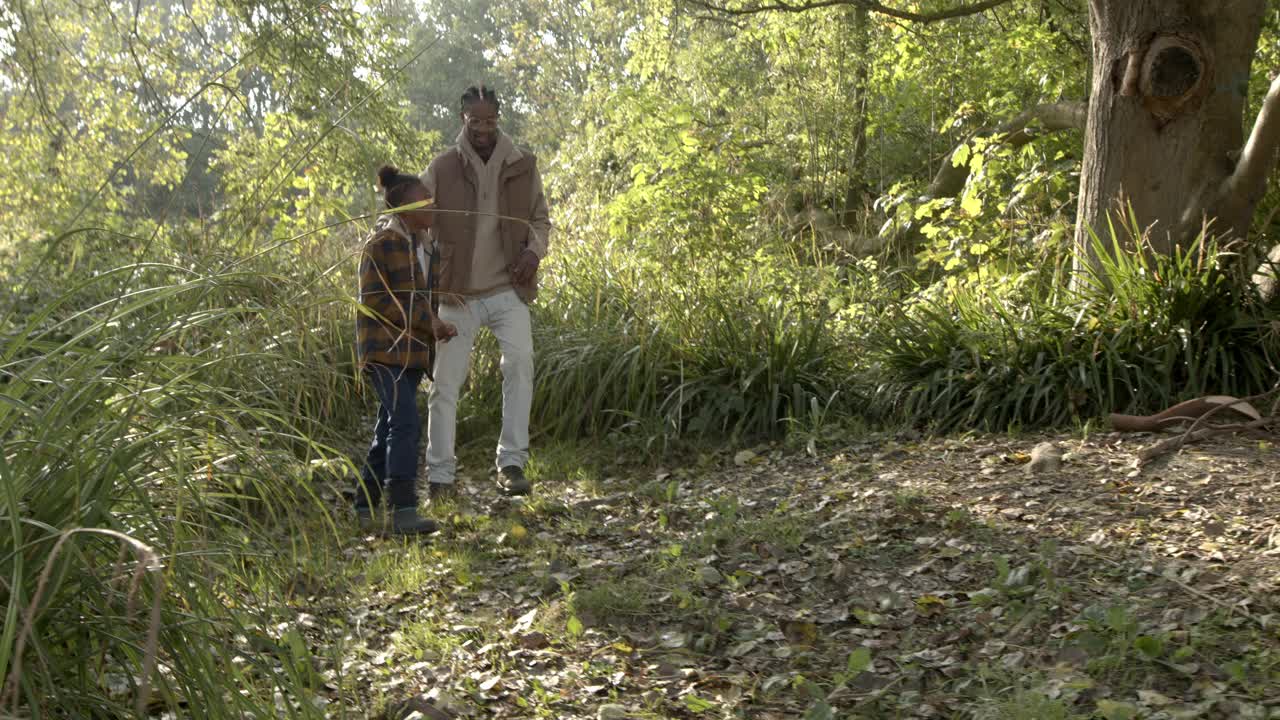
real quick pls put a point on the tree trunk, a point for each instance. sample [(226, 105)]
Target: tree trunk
[(1165, 127), (857, 190)]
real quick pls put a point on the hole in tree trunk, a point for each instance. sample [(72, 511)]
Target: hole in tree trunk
[(1177, 74), (1174, 72)]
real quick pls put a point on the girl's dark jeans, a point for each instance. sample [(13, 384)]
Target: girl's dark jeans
[(393, 456)]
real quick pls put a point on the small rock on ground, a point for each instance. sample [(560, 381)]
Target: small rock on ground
[(1046, 457)]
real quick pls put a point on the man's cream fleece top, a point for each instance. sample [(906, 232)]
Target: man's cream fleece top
[(489, 272)]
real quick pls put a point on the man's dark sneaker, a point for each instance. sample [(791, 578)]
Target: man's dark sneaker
[(442, 492), (407, 521), (513, 482)]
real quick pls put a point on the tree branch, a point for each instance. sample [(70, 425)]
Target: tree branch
[(1249, 180), (1066, 115), (870, 5)]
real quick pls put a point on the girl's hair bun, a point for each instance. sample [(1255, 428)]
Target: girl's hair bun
[(387, 175), (394, 185)]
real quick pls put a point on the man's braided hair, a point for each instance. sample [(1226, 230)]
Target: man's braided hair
[(476, 94)]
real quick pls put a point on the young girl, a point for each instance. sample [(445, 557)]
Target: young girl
[(395, 330)]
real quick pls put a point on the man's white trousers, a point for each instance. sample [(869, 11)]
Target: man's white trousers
[(507, 317)]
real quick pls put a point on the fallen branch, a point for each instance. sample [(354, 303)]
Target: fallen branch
[(1191, 410), (1174, 444), (1199, 411)]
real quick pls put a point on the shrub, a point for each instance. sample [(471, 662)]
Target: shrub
[(1139, 333)]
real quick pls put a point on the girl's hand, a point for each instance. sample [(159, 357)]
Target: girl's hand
[(443, 330)]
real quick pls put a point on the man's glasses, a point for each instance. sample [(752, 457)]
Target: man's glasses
[(482, 123)]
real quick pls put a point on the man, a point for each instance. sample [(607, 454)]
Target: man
[(491, 231)]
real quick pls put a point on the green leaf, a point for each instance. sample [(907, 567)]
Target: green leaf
[(1119, 619), (976, 163), (960, 156), (1152, 647), (979, 249), (1111, 710), (574, 626), (866, 617), (859, 661), (819, 710), (971, 204), (929, 208), (697, 704)]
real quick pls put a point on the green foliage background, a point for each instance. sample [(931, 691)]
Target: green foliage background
[(185, 184)]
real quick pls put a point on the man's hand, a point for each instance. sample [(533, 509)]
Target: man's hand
[(525, 267), (443, 330)]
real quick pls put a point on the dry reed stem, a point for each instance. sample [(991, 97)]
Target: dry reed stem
[(148, 560)]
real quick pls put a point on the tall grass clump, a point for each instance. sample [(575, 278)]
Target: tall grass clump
[(626, 345), (176, 341), (160, 422), (1136, 332)]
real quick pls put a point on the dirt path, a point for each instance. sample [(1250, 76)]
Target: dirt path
[(885, 579)]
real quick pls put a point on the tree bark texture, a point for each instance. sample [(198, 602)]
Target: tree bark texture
[(1165, 125), (857, 189)]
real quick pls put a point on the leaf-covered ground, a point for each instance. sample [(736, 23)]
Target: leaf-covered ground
[(886, 578)]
